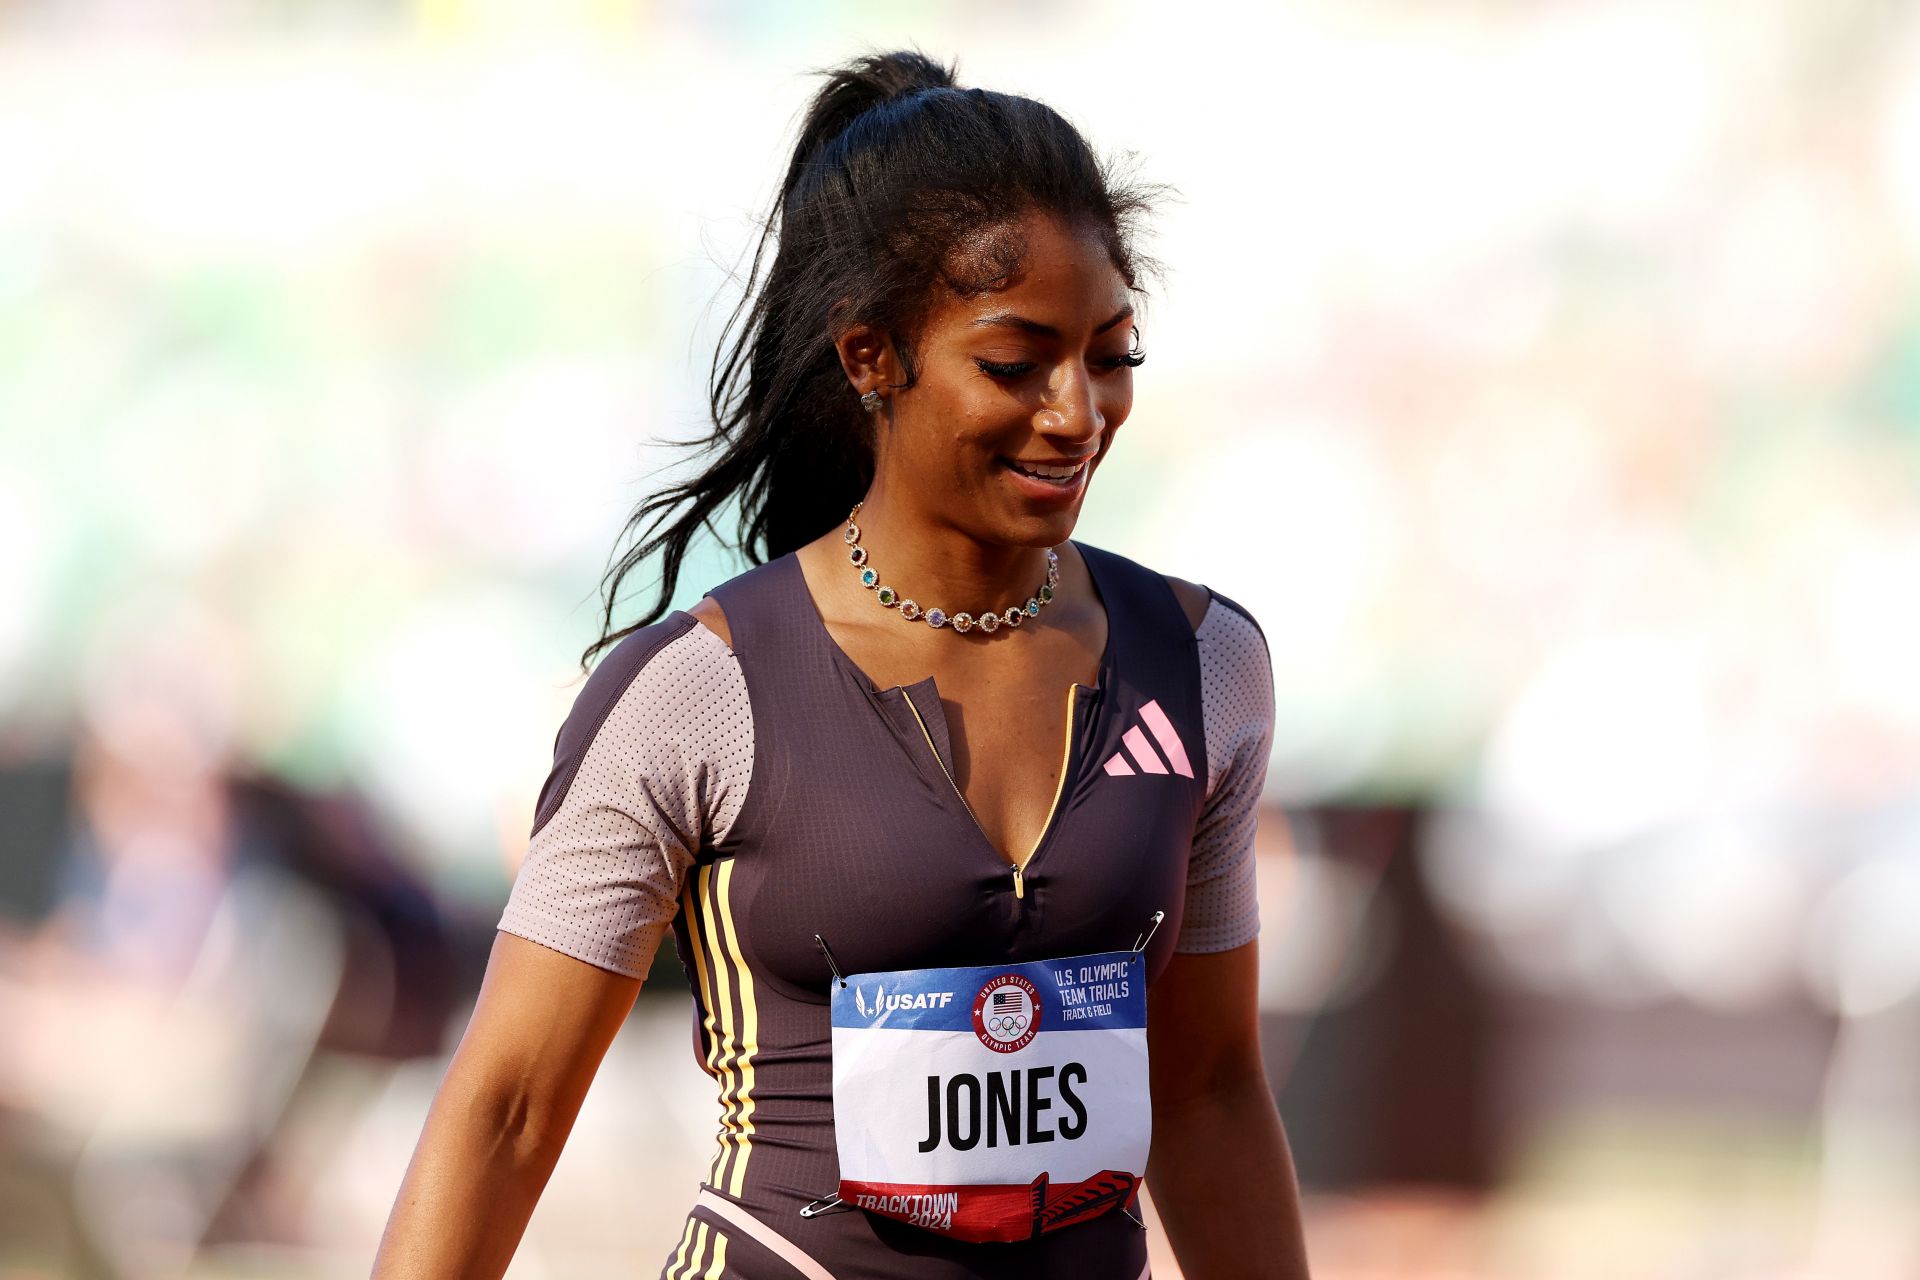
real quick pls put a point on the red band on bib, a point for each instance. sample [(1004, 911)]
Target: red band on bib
[(994, 1213)]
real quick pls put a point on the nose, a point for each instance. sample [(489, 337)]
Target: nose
[(1070, 416)]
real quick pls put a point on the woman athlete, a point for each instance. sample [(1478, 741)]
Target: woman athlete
[(949, 816)]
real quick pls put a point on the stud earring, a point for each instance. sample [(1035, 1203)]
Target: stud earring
[(870, 401)]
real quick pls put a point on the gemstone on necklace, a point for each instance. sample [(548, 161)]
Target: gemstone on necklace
[(990, 621)]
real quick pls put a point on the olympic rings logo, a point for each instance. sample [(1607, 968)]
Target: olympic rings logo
[(1007, 1012)]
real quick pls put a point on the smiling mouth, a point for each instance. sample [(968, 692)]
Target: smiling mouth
[(1053, 474)]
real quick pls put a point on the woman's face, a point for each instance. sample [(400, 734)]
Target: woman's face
[(1035, 374)]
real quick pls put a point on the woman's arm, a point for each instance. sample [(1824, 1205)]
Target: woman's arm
[(1220, 1171), (502, 1113), (655, 753)]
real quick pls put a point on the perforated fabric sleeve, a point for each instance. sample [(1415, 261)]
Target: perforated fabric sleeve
[(665, 770), (1236, 695)]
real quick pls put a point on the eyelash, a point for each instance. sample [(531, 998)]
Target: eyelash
[(1131, 360)]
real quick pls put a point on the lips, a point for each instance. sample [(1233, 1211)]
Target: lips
[(1057, 472), (1037, 487)]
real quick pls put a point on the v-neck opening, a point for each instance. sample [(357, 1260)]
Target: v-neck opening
[(1092, 697)]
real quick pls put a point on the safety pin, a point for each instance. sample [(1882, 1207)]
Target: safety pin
[(821, 942), (823, 1204), (1153, 924), (1136, 1222)]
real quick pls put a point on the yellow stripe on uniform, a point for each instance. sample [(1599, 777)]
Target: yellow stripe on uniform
[(718, 1267), (732, 1039), (680, 1254), (695, 908), (747, 1043), (694, 1256), (729, 1029)]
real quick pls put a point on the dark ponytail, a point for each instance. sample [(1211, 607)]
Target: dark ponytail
[(896, 174)]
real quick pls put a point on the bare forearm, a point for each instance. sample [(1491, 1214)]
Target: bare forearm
[(469, 1190), (1223, 1181)]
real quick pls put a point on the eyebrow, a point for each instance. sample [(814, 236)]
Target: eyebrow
[(1012, 321)]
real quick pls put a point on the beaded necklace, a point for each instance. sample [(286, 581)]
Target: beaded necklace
[(989, 622)]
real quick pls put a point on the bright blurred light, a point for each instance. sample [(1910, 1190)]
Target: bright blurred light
[(444, 722), (1873, 608), (28, 558), (1709, 913), (1612, 738), (1326, 935), (1861, 952)]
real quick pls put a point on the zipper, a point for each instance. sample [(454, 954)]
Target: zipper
[(950, 782), (1066, 757), (1066, 754)]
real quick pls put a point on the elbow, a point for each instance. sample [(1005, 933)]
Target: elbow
[(505, 1121), (1224, 1079)]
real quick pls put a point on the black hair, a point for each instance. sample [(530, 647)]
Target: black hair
[(900, 181)]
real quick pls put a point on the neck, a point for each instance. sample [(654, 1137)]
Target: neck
[(936, 564)]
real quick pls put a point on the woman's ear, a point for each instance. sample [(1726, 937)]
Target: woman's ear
[(867, 356)]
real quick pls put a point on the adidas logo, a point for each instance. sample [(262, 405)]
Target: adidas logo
[(1145, 759)]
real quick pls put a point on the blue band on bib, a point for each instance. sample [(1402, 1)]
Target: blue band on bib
[(1077, 993)]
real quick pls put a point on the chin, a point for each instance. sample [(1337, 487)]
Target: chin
[(1044, 529)]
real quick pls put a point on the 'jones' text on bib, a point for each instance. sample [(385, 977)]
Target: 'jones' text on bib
[(997, 1102)]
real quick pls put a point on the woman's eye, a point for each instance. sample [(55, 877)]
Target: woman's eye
[(1020, 369)]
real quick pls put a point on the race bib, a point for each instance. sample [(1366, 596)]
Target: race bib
[(997, 1102)]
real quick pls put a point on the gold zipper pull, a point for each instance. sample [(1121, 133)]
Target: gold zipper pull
[(1019, 882)]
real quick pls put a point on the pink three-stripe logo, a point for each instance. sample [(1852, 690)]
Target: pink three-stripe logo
[(1142, 751)]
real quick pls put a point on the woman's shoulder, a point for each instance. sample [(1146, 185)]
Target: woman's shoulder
[(707, 610), (668, 693), (651, 763), (1194, 598), (1226, 616), (1236, 670), (1191, 595), (1236, 687), (660, 654), (1206, 608), (755, 582)]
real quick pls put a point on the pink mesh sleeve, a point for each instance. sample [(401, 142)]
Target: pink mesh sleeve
[(665, 770), (1236, 677)]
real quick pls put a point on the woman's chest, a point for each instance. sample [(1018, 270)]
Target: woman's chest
[(856, 829), (1001, 725)]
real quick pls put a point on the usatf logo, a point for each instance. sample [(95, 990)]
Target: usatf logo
[(883, 1003), (1006, 1013)]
